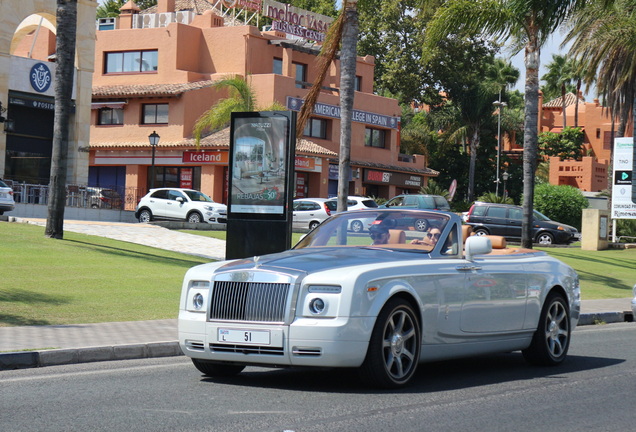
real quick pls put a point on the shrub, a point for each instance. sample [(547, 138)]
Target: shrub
[(560, 203), (491, 197)]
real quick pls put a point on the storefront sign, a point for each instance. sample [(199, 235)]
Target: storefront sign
[(392, 178), (622, 205), (333, 111), (295, 16), (205, 157), (304, 163), (40, 77), (253, 5)]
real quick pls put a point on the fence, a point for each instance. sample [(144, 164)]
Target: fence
[(111, 197)]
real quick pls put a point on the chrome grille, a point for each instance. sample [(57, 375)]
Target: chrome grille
[(249, 301)]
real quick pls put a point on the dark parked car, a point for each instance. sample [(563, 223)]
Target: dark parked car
[(505, 220), (420, 202)]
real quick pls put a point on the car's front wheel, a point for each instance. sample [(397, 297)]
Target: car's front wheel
[(145, 216), (216, 369), (195, 217), (545, 239), (551, 341), (394, 348)]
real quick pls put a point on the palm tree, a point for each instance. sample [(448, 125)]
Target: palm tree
[(66, 15), (241, 99), (559, 76), (604, 39), (343, 34), (528, 23)]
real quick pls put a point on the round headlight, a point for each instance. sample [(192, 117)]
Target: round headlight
[(197, 301), (317, 306)]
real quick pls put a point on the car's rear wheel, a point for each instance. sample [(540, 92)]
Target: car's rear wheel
[(145, 216), (480, 231), (357, 226), (195, 217), (394, 348), (545, 239), (551, 341), (216, 369), (313, 224), (421, 224)]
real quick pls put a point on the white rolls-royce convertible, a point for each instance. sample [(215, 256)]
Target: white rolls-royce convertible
[(382, 300)]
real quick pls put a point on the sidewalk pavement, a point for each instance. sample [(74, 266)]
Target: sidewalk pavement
[(34, 346)]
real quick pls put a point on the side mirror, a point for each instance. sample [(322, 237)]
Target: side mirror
[(180, 199), (477, 245)]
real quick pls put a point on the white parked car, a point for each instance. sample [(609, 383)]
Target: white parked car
[(308, 213), (337, 300), (356, 203), (7, 203), (180, 204)]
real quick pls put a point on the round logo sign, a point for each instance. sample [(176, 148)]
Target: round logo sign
[(40, 77)]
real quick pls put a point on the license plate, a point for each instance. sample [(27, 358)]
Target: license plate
[(257, 337)]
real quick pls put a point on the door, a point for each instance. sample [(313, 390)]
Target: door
[(176, 209), (496, 219), (495, 296), (515, 217)]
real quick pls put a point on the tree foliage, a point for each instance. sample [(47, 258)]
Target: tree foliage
[(494, 198), (567, 144), (560, 203), (110, 8)]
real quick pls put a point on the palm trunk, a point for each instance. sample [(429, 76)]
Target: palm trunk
[(474, 145), (347, 81), (530, 137), (65, 53), (576, 101), (563, 104)]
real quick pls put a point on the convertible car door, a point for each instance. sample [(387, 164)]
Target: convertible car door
[(495, 295)]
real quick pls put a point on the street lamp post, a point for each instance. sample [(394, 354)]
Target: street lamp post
[(154, 140), (505, 177), (499, 104)]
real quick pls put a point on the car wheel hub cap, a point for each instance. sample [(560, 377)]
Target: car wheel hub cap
[(397, 344), (553, 330)]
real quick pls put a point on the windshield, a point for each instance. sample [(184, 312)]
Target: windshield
[(540, 216), (197, 196), (412, 230)]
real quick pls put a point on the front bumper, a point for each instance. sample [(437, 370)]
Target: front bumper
[(339, 342)]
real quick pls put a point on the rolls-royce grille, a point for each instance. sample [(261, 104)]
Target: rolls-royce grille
[(249, 301)]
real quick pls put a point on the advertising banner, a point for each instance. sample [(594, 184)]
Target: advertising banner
[(261, 161), (622, 205)]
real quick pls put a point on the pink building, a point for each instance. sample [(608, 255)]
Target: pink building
[(154, 72)]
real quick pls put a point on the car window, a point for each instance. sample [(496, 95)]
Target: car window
[(540, 216), (410, 201), (441, 203), (515, 213), (428, 203), (161, 194), (397, 201), (496, 212), (331, 205), (369, 203), (198, 196), (173, 195), (109, 193), (478, 211), (351, 203), (3, 184)]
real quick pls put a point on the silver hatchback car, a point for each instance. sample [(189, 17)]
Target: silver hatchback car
[(7, 203)]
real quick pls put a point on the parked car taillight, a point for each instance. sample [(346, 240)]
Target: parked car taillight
[(327, 210)]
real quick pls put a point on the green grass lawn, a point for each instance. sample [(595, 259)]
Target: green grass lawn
[(85, 279)]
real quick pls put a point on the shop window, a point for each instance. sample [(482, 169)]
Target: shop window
[(155, 114), (131, 62), (110, 116), (316, 128), (300, 70), (375, 138), (278, 66)]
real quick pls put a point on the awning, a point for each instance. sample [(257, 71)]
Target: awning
[(111, 105)]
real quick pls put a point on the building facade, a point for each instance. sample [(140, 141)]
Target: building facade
[(154, 73), (27, 62)]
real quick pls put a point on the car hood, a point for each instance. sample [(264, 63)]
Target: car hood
[(555, 225), (310, 260)]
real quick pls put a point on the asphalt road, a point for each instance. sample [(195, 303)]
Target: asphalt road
[(593, 390)]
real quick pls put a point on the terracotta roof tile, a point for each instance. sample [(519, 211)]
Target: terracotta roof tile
[(145, 90), (570, 99)]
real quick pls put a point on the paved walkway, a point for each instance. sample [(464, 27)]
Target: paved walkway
[(32, 346)]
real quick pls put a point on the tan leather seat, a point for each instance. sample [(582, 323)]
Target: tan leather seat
[(397, 236)]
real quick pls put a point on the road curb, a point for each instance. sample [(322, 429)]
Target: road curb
[(56, 357)]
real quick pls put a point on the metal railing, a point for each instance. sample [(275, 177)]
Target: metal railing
[(82, 196)]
